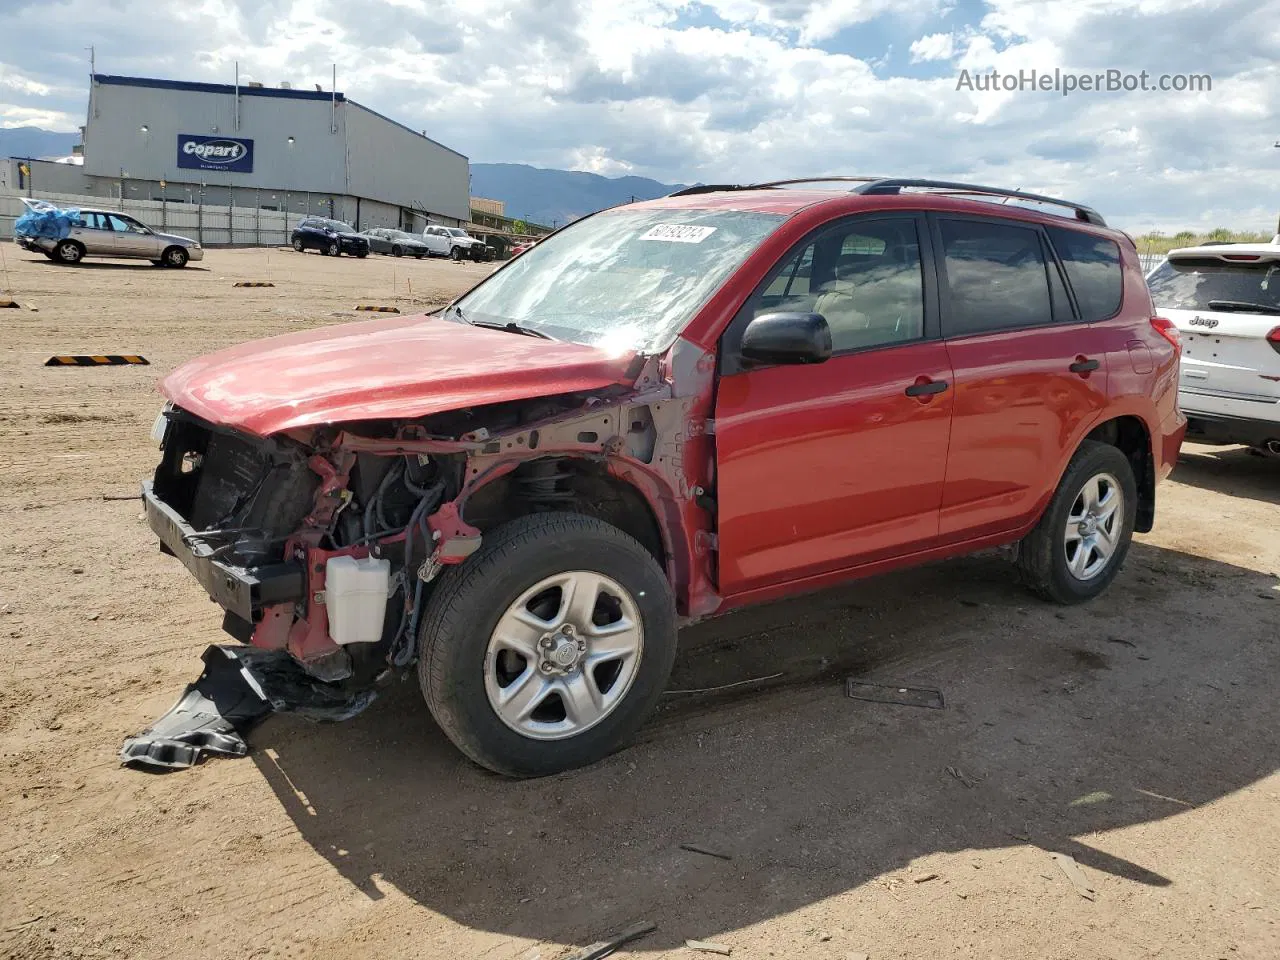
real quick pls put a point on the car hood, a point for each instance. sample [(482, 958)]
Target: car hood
[(383, 369), (175, 238)]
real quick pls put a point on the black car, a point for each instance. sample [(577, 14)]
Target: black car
[(330, 237), (395, 242)]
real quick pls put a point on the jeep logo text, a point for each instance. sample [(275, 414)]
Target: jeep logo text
[(1199, 321)]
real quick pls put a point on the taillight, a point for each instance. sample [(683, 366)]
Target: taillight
[(1167, 330), (1273, 338)]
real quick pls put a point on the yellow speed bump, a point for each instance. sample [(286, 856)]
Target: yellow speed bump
[(254, 283), (6, 302), (105, 360), (369, 309)]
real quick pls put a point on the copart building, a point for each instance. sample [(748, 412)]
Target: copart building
[(275, 148)]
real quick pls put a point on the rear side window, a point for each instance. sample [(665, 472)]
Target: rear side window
[(1201, 283), (996, 277), (1093, 268)]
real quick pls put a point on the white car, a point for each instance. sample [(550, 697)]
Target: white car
[(108, 233), (456, 243), (1225, 301)]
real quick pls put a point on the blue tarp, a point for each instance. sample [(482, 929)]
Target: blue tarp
[(44, 220)]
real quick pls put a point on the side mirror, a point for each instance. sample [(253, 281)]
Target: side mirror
[(787, 338)]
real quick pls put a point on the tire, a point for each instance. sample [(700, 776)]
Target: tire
[(299, 245), (419, 256), (69, 252), (362, 254), (455, 254), (455, 666), (175, 257), (332, 250), (1045, 553), (396, 251)]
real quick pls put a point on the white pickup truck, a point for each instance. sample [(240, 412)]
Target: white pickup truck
[(456, 243)]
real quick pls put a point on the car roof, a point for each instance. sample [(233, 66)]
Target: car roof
[(788, 198), (1238, 252)]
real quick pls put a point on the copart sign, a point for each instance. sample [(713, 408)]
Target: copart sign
[(232, 154)]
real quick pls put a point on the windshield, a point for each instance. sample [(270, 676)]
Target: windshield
[(625, 279), (1191, 284), (337, 226), (456, 232), (399, 235)]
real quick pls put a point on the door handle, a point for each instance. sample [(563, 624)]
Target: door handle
[(926, 388), (1084, 366)]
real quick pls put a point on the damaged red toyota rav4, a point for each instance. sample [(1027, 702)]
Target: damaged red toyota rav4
[(663, 412)]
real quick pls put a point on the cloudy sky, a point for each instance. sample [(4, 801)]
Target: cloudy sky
[(737, 90)]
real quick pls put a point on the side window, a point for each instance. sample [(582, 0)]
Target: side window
[(864, 276), (126, 225), (1062, 312), (996, 277), (96, 221), (1093, 269)]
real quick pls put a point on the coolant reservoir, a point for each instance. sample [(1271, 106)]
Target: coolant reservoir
[(356, 595)]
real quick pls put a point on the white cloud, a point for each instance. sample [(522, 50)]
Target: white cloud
[(935, 46), (618, 86)]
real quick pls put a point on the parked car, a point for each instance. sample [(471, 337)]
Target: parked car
[(456, 243), (1225, 301), (522, 246), (395, 242), (107, 233), (331, 237), (666, 411)]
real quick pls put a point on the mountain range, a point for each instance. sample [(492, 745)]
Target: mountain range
[(530, 193)]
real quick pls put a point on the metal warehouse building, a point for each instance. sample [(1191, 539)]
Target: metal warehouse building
[(304, 151)]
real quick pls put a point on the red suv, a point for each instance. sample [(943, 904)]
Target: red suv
[(660, 413)]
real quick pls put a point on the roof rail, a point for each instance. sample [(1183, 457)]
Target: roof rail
[(787, 183), (897, 185), (710, 188)]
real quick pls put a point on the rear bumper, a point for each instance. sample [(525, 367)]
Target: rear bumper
[(1218, 429), (243, 591)]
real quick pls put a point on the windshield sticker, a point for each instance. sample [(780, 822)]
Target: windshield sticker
[(678, 233)]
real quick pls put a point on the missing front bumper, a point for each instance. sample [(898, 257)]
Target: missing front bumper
[(243, 591)]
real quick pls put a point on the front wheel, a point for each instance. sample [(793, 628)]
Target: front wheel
[(397, 251), (456, 254), (1080, 543), (548, 647), (176, 257)]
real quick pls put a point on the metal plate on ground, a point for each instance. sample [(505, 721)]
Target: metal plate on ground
[(899, 693)]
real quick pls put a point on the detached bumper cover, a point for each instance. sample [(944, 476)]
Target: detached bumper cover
[(242, 590), (238, 688)]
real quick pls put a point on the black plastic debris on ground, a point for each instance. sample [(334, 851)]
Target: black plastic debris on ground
[(893, 693), (239, 687)]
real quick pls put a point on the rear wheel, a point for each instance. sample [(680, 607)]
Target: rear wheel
[(547, 649), (1080, 543), (299, 245), (68, 251)]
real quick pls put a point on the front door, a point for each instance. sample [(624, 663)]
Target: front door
[(132, 239), (829, 466), (1029, 374)]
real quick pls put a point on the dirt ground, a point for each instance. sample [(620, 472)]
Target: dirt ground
[(1138, 735)]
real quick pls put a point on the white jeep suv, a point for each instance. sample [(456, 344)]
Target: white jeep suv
[(1225, 301), (456, 243)]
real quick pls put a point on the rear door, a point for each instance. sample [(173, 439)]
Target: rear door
[(96, 234), (1029, 374), (829, 466), (437, 240), (1225, 306)]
